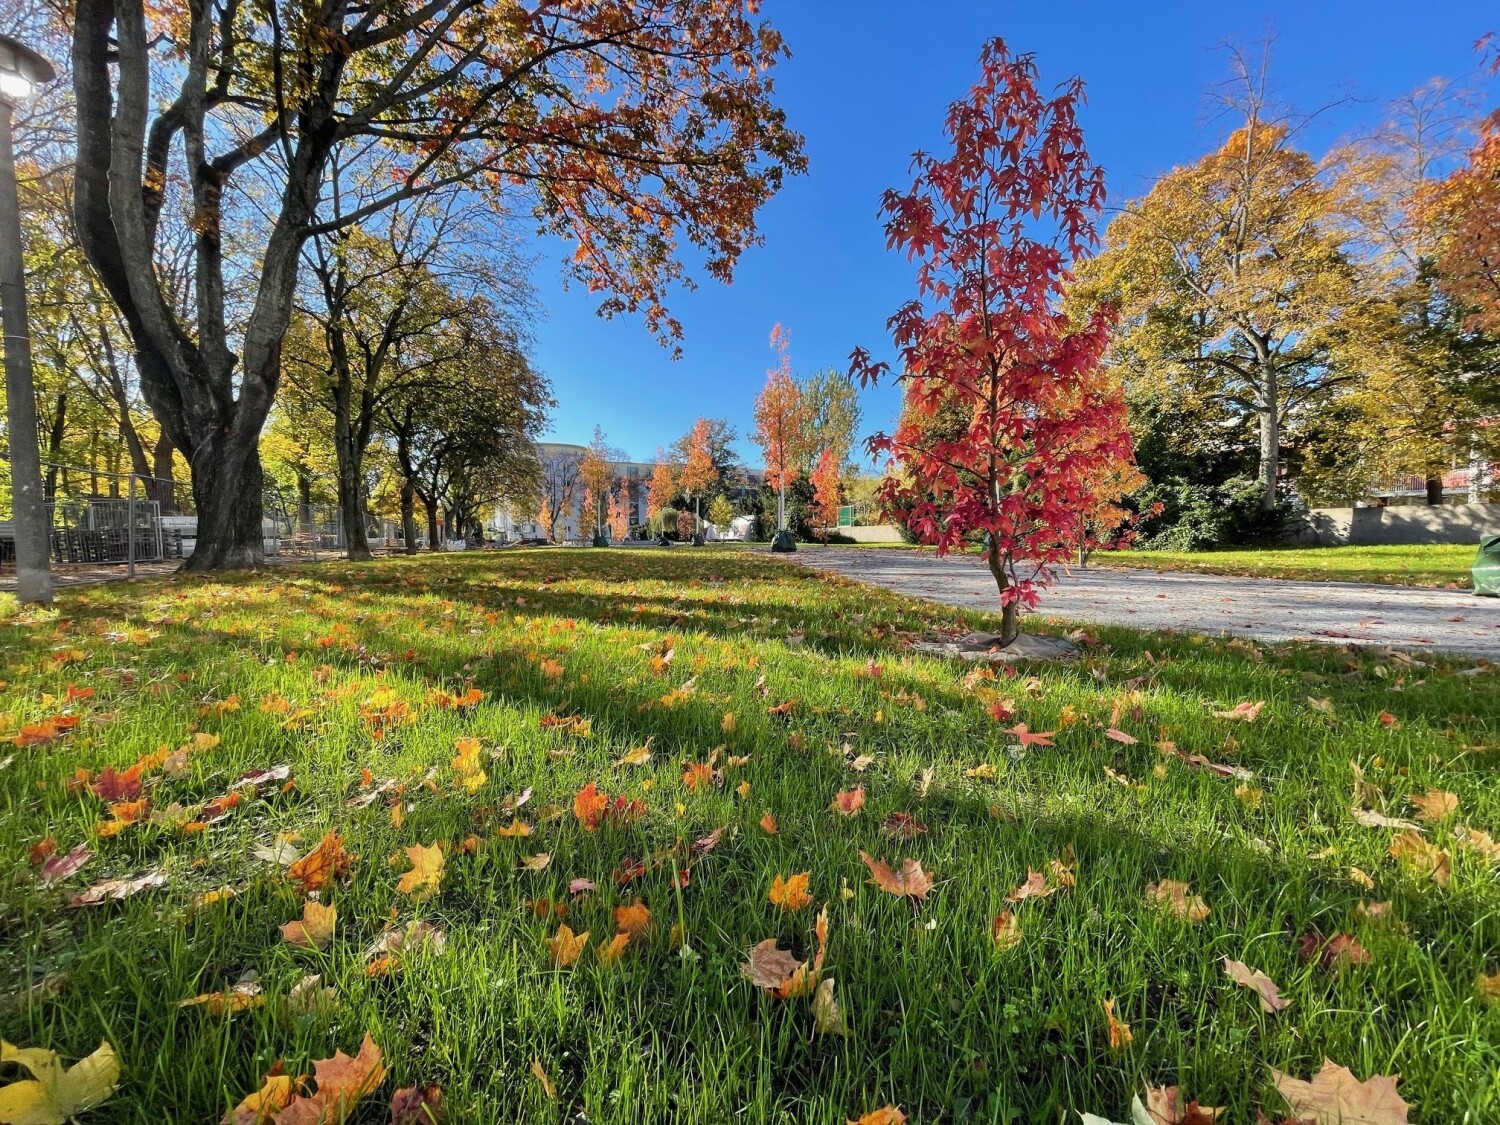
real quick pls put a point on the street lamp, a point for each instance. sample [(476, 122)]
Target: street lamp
[(22, 71)]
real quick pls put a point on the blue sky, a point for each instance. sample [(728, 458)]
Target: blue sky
[(868, 84)]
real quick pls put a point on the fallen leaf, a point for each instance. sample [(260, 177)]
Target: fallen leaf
[(1119, 1031), (58, 867), (1435, 806), (1172, 896), (614, 949), (54, 1093), (416, 1105), (319, 867), (115, 889), (541, 1076), (1336, 1097), (885, 1115), (1121, 737), (1422, 857), (828, 1019), (314, 930), (1265, 988), (1005, 931), (426, 874), (632, 920), (261, 1107), (768, 824), (1241, 712), (1372, 819), (1034, 887), (1030, 737), (770, 967), (790, 894), (1164, 1107), (847, 802), (535, 863), (902, 826), (565, 947), (911, 882), (242, 997)]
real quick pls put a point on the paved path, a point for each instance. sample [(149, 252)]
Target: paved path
[(1266, 609)]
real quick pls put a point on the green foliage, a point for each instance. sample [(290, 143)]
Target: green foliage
[(1198, 517)]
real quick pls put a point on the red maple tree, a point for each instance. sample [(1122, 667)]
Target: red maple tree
[(781, 423), (1009, 416)]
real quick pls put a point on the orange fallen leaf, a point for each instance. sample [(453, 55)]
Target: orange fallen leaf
[(541, 1076), (633, 919), (319, 867), (911, 881), (1435, 806), (1119, 1031), (1246, 712), (1005, 931), (885, 1115), (614, 949), (849, 801), (768, 824), (565, 947), (790, 894)]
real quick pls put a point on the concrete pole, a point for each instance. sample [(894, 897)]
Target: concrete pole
[(28, 504)]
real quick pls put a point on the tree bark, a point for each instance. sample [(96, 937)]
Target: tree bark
[(227, 482), (1010, 608), (408, 517), (54, 446), (351, 464), (304, 503), (161, 487), (432, 524), (1270, 447), (1434, 490)]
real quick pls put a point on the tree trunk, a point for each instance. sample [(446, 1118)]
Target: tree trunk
[(351, 472), (1270, 457), (304, 503), (432, 526), (409, 517), (1010, 608), (54, 446), (161, 487), (1434, 490), (227, 492)]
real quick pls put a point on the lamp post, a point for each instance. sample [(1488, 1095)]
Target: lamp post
[(22, 70)]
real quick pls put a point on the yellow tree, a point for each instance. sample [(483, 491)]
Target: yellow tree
[(699, 473), (781, 429), (619, 511), (1230, 276)]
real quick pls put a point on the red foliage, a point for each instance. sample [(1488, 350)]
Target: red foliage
[(1009, 416)]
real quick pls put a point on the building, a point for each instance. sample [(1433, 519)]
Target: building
[(562, 493)]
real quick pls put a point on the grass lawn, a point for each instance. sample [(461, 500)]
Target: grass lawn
[(725, 690), (1439, 565)]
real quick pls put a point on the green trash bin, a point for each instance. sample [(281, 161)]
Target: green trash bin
[(1486, 569)]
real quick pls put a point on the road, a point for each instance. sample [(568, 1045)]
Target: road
[(1266, 609)]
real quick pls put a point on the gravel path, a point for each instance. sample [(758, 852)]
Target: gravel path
[(1266, 609)]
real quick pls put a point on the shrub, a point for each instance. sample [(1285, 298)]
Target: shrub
[(1201, 517)]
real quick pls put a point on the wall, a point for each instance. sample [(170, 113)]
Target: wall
[(1400, 525), (875, 533)]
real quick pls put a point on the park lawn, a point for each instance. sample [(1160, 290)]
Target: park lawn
[(1439, 565), (774, 690)]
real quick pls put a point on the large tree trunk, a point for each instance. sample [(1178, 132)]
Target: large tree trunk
[(227, 491), (304, 502), (409, 517), (1270, 457), (432, 524), (55, 436), (1434, 490)]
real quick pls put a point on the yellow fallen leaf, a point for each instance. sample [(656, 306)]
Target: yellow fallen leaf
[(1119, 1031), (315, 928), (790, 894), (426, 874), (541, 1076), (54, 1092), (566, 946)]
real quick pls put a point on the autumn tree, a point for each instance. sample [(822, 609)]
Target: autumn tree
[(826, 479), (699, 473), (1416, 350), (560, 490), (596, 475), (994, 227), (1230, 275), (627, 126), (781, 430), (662, 489), (619, 511)]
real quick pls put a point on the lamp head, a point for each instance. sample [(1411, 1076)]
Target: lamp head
[(22, 70)]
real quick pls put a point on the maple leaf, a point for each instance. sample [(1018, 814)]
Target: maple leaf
[(341, 1082), (632, 920), (697, 775), (885, 1115), (847, 802), (1172, 896), (1487, 985), (614, 949), (112, 785), (1245, 712), (1435, 806), (772, 968), (1119, 1031), (589, 806), (1265, 988), (768, 824), (912, 881), (242, 997), (828, 1018), (426, 874), (319, 867), (1121, 737), (565, 947), (1422, 857), (902, 826), (1336, 1097), (1029, 737), (790, 894), (261, 1106), (541, 1076), (315, 928), (1034, 887), (54, 1093), (415, 1105), (515, 828), (640, 756)]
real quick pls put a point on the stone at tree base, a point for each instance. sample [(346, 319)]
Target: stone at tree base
[(983, 648), (782, 543)]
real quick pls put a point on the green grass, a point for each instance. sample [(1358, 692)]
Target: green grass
[(942, 1022), (1436, 565)]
